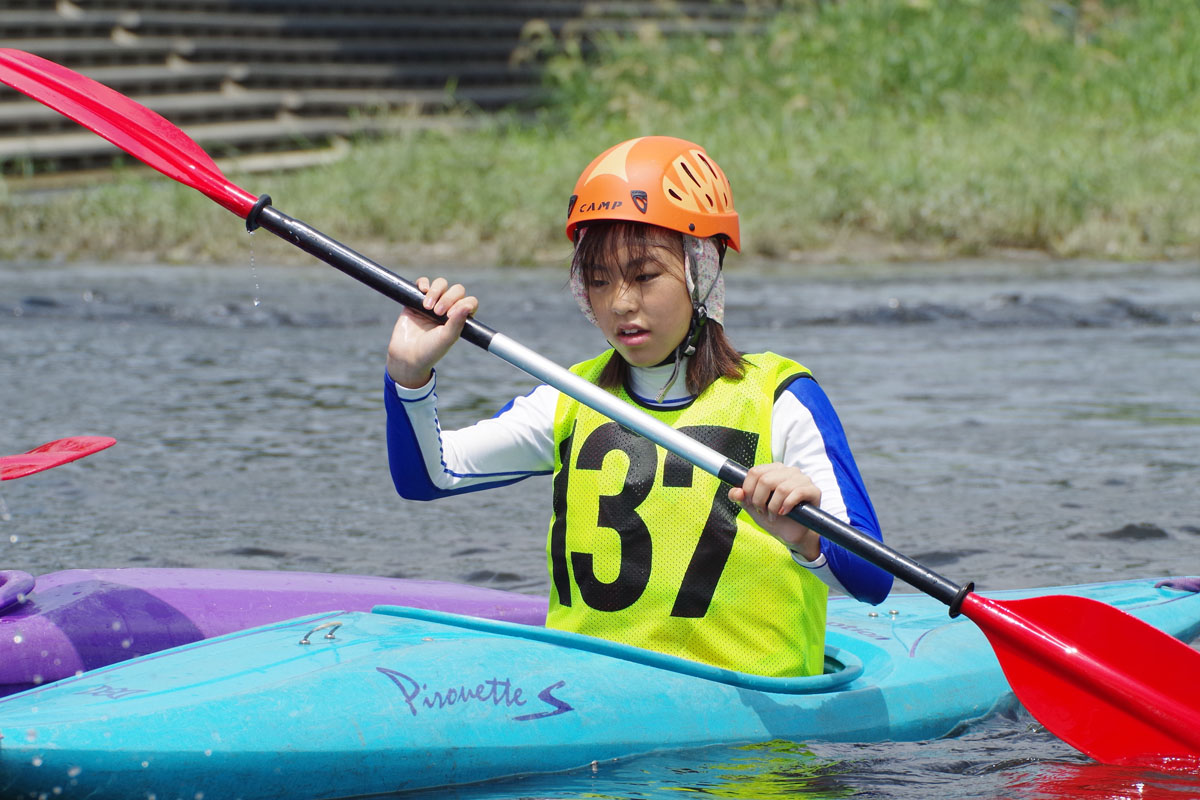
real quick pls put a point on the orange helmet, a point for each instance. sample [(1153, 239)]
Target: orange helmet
[(659, 180)]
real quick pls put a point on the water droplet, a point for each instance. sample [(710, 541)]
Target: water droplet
[(18, 639), (14, 538), (126, 643), (37, 761), (73, 772), (254, 273)]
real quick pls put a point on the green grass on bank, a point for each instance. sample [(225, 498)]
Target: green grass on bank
[(866, 129)]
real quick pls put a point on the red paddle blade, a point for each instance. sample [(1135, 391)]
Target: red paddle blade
[(1103, 681), (129, 125), (52, 454)]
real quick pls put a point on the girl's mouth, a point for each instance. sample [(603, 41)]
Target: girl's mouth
[(632, 335)]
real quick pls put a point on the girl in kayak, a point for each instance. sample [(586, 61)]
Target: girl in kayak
[(643, 548)]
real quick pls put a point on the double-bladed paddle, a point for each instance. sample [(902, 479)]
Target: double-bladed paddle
[(51, 454), (1105, 682)]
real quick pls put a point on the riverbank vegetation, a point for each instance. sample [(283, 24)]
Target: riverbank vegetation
[(875, 129)]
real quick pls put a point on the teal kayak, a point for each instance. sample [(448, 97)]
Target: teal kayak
[(352, 703)]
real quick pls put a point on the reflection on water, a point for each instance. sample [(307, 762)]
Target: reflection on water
[(762, 771), (1017, 426), (1071, 781)]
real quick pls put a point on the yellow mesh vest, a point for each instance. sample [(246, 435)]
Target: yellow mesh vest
[(647, 550)]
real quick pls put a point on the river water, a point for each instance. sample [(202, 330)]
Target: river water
[(1017, 424)]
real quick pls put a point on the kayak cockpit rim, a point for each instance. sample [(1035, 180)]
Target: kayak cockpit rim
[(841, 666)]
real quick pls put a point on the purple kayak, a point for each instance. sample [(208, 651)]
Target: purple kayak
[(62, 623)]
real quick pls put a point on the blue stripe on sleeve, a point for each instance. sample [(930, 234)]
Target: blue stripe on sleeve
[(865, 581)]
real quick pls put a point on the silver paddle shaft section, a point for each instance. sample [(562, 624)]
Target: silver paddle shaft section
[(392, 285), (607, 404)]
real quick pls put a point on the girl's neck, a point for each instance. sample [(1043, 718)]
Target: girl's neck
[(647, 382)]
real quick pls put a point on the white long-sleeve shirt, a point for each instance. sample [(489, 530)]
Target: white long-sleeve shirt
[(428, 462)]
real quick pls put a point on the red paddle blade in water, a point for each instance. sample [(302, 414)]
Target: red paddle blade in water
[(137, 130), (1103, 681), (1092, 781), (52, 454)]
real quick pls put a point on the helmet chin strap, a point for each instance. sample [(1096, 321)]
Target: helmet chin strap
[(699, 319), (687, 347)]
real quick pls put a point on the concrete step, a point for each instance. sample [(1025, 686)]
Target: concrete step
[(151, 79), (526, 9), (48, 23), (82, 53), (221, 139), (183, 77), (265, 104), (366, 49)]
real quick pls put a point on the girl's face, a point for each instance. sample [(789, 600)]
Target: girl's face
[(641, 302)]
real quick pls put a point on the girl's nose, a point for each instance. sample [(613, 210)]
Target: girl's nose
[(624, 299)]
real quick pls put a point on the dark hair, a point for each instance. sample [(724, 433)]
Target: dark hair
[(715, 355)]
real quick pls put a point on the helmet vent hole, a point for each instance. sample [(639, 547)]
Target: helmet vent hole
[(708, 197), (674, 194), (689, 174)]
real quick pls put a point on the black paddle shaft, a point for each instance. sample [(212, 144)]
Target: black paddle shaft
[(356, 265), (402, 291)]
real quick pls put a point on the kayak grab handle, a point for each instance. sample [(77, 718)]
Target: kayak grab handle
[(333, 626), (15, 586)]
